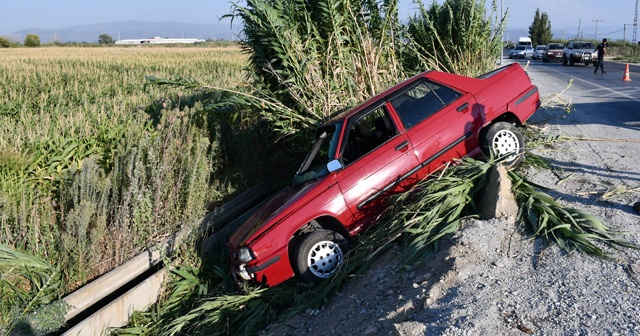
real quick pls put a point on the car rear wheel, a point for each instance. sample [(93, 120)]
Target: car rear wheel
[(503, 140), (318, 255)]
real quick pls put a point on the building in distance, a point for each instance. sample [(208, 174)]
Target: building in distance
[(159, 40)]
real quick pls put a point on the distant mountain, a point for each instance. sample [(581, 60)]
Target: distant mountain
[(139, 30), (571, 33), (133, 30)]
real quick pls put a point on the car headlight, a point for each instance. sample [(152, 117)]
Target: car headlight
[(244, 255)]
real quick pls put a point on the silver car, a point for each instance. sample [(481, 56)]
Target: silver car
[(521, 51), (539, 52)]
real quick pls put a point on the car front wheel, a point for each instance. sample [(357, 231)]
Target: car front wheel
[(564, 60), (319, 254), (503, 140)]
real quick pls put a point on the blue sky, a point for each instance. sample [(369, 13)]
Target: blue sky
[(51, 14)]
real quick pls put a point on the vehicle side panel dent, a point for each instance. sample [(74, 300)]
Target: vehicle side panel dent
[(517, 85)]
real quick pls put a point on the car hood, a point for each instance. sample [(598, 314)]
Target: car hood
[(272, 212)]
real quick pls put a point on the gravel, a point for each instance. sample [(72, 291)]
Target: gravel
[(491, 278)]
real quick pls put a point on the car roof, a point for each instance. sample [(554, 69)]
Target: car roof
[(455, 81)]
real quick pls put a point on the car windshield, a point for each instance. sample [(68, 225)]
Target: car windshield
[(541, 48), (556, 46), (519, 48), (586, 45), (322, 151)]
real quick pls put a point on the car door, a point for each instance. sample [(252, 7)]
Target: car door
[(376, 158), (441, 123)]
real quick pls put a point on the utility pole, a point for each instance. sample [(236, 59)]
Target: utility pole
[(501, 33), (624, 31), (635, 25), (579, 21), (563, 31), (596, 21)]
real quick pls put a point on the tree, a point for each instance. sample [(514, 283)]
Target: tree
[(540, 29), (105, 39), (32, 40), (4, 42)]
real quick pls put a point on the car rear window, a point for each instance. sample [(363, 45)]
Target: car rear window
[(421, 101)]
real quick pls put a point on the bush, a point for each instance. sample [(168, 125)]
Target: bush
[(32, 40), (105, 39), (4, 42)]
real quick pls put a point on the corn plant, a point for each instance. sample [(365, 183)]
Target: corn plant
[(27, 283)]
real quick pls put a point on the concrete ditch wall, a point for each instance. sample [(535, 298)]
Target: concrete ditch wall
[(117, 312)]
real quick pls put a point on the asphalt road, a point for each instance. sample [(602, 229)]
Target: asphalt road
[(604, 107)]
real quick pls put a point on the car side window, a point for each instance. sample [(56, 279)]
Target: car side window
[(422, 101), (367, 132)]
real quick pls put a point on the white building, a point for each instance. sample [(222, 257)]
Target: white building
[(159, 40)]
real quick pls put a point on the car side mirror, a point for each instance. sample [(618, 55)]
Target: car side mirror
[(334, 165)]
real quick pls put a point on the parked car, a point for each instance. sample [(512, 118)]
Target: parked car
[(521, 51), (554, 52), (577, 52), (539, 52), (380, 147)]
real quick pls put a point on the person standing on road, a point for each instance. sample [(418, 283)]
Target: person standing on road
[(601, 49)]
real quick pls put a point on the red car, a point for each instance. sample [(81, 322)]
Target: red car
[(382, 146), (554, 52)]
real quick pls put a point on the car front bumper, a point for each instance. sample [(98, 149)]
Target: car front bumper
[(554, 55), (581, 57), (272, 271)]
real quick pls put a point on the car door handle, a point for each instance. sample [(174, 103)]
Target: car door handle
[(462, 107), (402, 146)]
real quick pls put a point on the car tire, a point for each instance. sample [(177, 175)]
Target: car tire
[(564, 60), (571, 62), (318, 255), (503, 140)]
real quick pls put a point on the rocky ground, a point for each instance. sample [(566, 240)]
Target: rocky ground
[(492, 278)]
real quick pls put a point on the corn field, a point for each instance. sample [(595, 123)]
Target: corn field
[(95, 165)]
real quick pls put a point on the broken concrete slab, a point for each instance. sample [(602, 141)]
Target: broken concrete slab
[(496, 200)]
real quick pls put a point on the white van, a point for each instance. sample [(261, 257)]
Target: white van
[(525, 41)]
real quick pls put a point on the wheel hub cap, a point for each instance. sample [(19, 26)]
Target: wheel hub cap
[(324, 258), (505, 143)]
